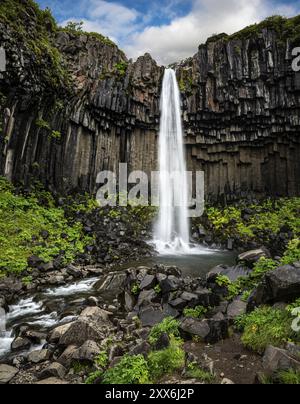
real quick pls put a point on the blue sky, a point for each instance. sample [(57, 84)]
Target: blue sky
[(170, 30)]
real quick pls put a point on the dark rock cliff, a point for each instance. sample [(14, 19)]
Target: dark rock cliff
[(75, 106)]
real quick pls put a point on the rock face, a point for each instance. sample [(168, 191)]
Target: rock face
[(241, 110)]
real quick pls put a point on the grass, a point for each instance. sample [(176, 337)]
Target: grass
[(195, 372), (266, 326), (169, 326), (24, 220), (197, 312)]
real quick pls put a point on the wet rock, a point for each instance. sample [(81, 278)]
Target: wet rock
[(279, 359), (39, 356), (74, 271), (233, 273), (20, 344), (55, 370), (34, 337)]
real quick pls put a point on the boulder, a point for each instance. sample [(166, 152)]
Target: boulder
[(114, 282), (280, 285), (206, 298), (55, 335), (66, 357), (233, 273), (148, 282), (152, 315), (20, 344), (251, 257), (54, 370), (170, 284), (195, 327), (279, 359), (7, 373), (82, 330), (96, 314), (236, 308), (39, 356), (163, 342), (142, 348), (87, 352), (209, 331), (147, 297)]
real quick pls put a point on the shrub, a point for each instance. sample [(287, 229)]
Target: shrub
[(292, 253), (166, 361), (265, 326), (169, 326), (197, 312), (130, 370)]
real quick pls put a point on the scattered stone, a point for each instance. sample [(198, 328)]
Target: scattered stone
[(227, 381), (142, 348), (52, 380), (57, 333)]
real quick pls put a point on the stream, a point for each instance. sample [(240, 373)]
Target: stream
[(59, 305)]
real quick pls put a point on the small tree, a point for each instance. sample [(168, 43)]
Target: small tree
[(75, 26)]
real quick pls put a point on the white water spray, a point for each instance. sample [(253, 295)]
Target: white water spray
[(172, 230)]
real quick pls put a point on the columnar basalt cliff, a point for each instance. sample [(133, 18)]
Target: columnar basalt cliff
[(73, 105)]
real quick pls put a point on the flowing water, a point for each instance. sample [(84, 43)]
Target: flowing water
[(172, 230)]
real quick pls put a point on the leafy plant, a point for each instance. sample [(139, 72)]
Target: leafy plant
[(197, 312), (169, 326), (292, 254), (157, 289), (130, 370), (265, 326), (289, 377), (135, 289), (166, 361)]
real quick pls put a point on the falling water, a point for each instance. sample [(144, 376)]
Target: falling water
[(172, 230)]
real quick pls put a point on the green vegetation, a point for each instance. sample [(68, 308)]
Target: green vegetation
[(35, 28), (130, 370), (42, 124), (265, 326), (292, 253), (135, 289), (55, 134), (288, 377), (286, 28), (167, 361), (195, 372), (23, 222), (265, 221), (197, 312), (157, 289), (169, 326), (121, 68)]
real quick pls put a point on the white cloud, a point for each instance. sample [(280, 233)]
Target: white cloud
[(181, 37)]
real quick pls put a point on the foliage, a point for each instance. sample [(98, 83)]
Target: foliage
[(197, 312), (195, 372), (55, 134), (41, 123), (130, 370), (157, 289), (169, 326), (23, 221), (135, 289), (292, 254), (121, 68), (266, 220), (265, 326), (94, 377), (166, 361), (288, 377), (102, 359), (74, 26), (34, 29)]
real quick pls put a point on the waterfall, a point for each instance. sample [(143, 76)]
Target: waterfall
[(172, 230)]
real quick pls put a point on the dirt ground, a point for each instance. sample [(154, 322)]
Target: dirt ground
[(230, 359)]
